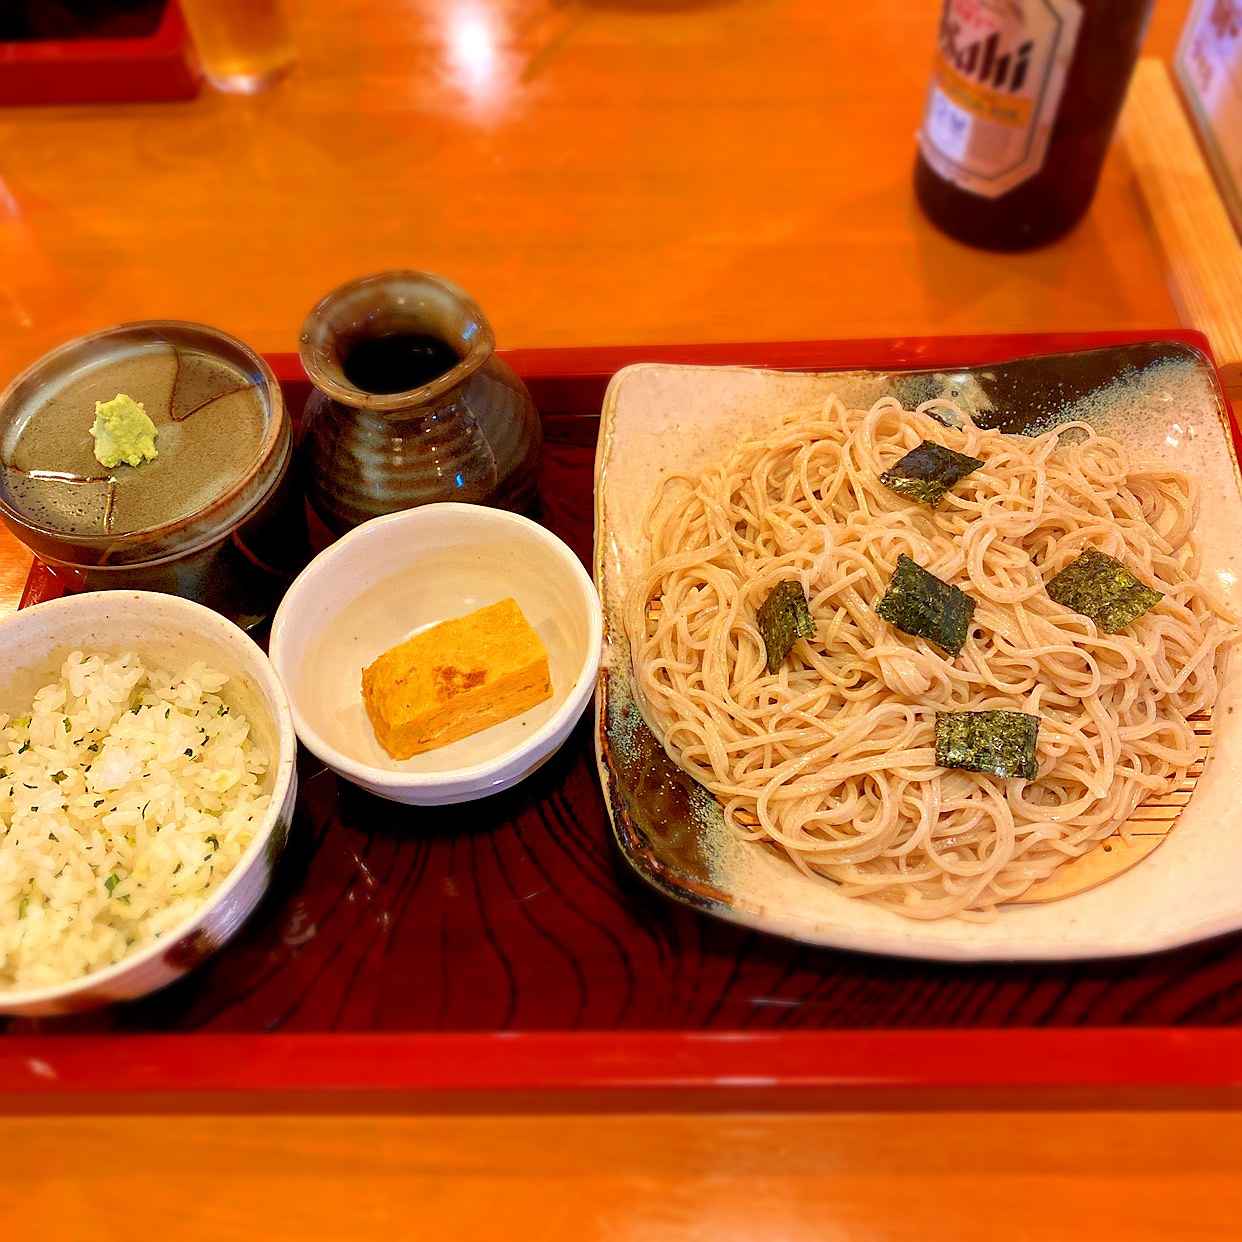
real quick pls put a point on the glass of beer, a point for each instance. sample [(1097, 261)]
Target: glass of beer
[(243, 45)]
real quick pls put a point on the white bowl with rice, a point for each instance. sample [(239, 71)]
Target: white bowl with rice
[(148, 760)]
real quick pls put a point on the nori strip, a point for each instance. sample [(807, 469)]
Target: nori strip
[(1102, 588), (919, 603), (1002, 743), (784, 617), (927, 472)]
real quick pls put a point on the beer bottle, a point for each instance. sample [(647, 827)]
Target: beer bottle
[(1023, 99)]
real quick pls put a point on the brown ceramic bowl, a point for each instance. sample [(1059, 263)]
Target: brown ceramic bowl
[(215, 517)]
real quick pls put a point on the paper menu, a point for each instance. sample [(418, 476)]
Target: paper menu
[(1208, 64)]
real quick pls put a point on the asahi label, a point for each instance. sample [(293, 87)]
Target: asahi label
[(999, 73)]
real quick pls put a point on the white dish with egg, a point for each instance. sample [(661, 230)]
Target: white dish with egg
[(397, 575)]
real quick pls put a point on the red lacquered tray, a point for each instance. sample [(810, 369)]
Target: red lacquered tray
[(503, 953)]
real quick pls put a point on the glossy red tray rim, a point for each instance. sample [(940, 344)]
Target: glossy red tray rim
[(604, 1063), (577, 364), (780, 1068)]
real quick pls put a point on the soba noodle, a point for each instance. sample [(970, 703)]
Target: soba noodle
[(832, 756)]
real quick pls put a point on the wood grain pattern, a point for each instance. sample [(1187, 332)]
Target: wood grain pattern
[(603, 174), (520, 915), (1198, 239), (699, 170), (592, 171), (964, 1177)]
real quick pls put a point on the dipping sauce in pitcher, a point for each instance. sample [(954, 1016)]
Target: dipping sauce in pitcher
[(411, 404), (397, 361)]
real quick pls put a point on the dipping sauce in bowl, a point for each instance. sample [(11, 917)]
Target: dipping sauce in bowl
[(214, 516)]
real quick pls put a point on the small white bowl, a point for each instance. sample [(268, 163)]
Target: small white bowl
[(168, 632), (396, 575)]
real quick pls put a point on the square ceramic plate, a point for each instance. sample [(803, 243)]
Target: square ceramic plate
[(1163, 400)]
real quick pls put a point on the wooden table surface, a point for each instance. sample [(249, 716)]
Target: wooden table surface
[(594, 172)]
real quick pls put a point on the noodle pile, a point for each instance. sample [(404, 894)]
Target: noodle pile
[(832, 756)]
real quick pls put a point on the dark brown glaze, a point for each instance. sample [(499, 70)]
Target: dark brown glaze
[(46, 477), (1033, 395), (190, 950), (196, 386), (656, 807)]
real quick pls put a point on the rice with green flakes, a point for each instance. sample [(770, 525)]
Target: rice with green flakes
[(126, 796)]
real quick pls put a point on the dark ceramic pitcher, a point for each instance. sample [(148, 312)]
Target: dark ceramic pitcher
[(470, 433)]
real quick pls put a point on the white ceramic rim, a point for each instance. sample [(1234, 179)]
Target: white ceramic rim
[(473, 776), (200, 616), (901, 939)]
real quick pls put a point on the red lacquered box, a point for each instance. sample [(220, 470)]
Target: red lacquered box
[(162, 66)]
